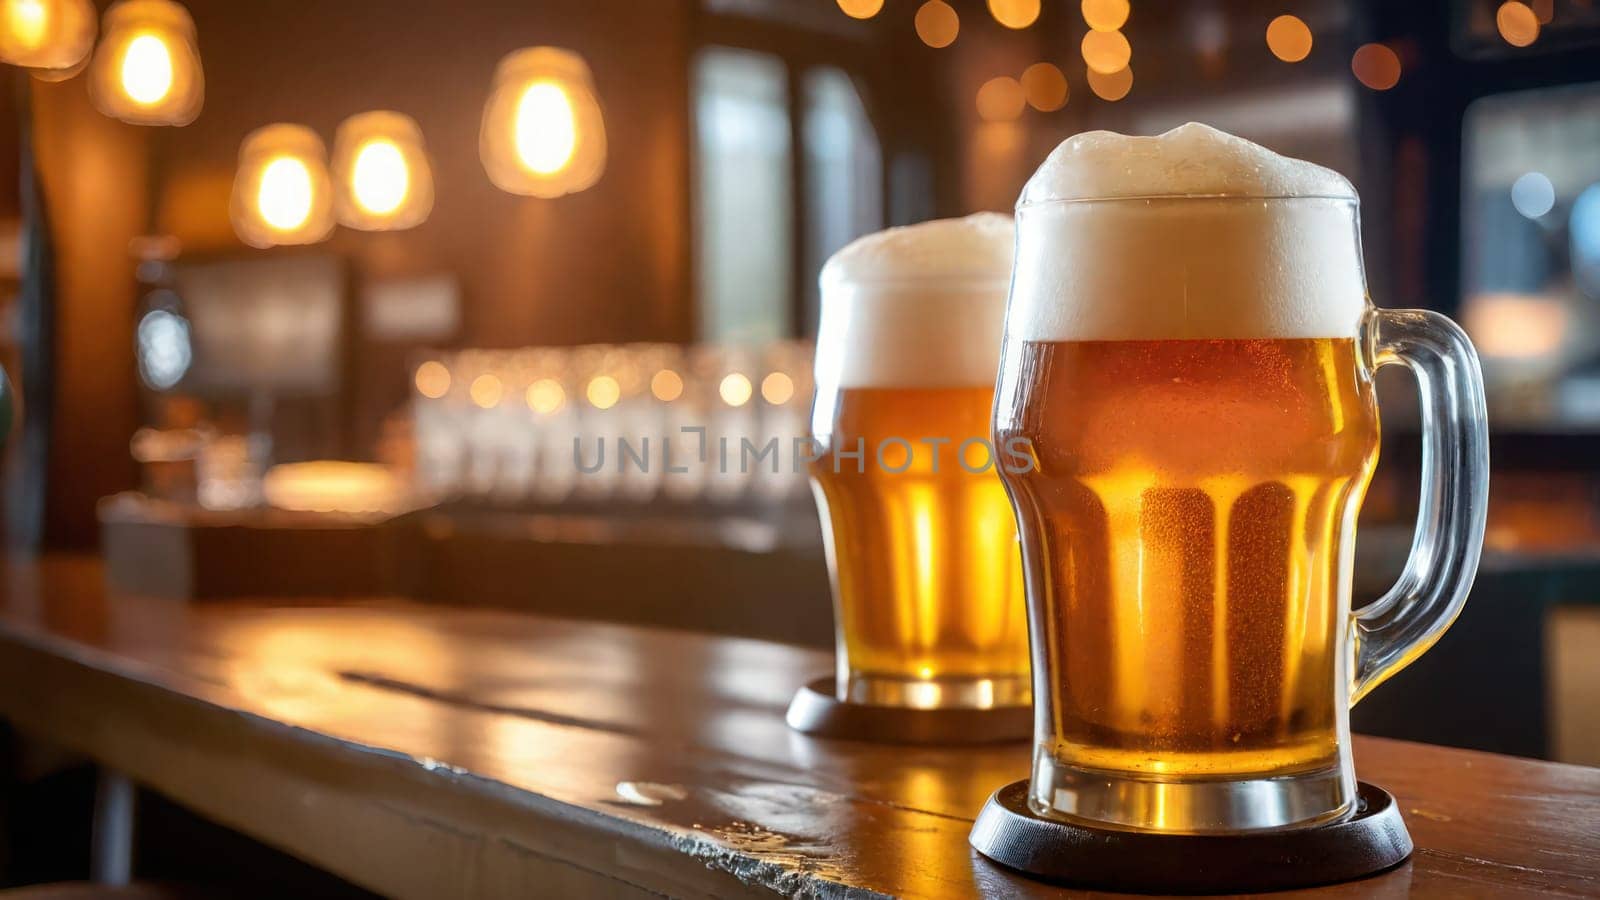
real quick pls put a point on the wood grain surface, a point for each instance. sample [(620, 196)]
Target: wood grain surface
[(426, 752)]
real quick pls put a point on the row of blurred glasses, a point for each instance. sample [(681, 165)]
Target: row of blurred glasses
[(502, 425)]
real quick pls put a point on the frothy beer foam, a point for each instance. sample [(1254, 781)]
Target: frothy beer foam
[(917, 306), (1191, 234)]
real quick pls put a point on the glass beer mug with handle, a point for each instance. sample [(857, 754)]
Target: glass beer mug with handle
[(1189, 352)]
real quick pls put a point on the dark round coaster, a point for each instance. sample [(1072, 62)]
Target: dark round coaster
[(1372, 840), (816, 711)]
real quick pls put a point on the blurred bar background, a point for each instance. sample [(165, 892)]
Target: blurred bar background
[(230, 395)]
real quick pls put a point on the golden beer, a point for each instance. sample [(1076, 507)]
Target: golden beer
[(923, 550), (1189, 352), (1190, 521), (921, 542)]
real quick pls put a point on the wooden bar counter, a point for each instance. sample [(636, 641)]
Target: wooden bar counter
[(431, 752)]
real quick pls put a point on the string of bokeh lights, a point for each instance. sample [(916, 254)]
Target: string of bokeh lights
[(1107, 53)]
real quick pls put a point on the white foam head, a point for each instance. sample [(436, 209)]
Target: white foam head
[(1191, 234), (917, 306)]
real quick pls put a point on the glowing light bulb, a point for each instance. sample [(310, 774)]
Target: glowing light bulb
[(51, 37), (281, 189), (542, 132), (735, 389), (546, 133), (380, 178), (384, 177), (147, 70), (29, 21), (286, 193)]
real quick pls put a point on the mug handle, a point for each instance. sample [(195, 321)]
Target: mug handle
[(1389, 633)]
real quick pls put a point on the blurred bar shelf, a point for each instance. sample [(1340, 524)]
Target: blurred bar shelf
[(420, 751), (752, 569)]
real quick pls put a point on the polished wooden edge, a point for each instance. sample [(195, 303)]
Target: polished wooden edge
[(1373, 840), (279, 783), (816, 711)]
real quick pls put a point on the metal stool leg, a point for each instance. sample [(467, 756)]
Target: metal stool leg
[(111, 847)]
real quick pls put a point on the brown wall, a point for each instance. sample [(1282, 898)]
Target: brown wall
[(607, 264), (93, 173)]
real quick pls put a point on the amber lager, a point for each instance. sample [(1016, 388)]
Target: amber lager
[(1200, 498), (1189, 354), (921, 541)]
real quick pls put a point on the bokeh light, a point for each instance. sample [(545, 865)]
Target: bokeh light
[(379, 178), (546, 130), (486, 391), (1014, 13), (861, 9), (545, 396), (165, 348), (735, 389), (937, 24), (433, 379), (666, 385), (1517, 23), (29, 20), (603, 392), (777, 388), (1111, 87), (147, 70), (286, 193), (1105, 15), (542, 133), (1000, 99), (1583, 228), (384, 178), (1289, 38), (1045, 87), (1106, 52), (1533, 195), (54, 36), (1376, 66), (282, 193)]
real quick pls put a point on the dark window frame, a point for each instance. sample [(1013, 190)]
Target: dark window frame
[(801, 47), (1427, 111)]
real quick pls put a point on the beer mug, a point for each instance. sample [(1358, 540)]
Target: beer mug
[(921, 546), (1189, 352)]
